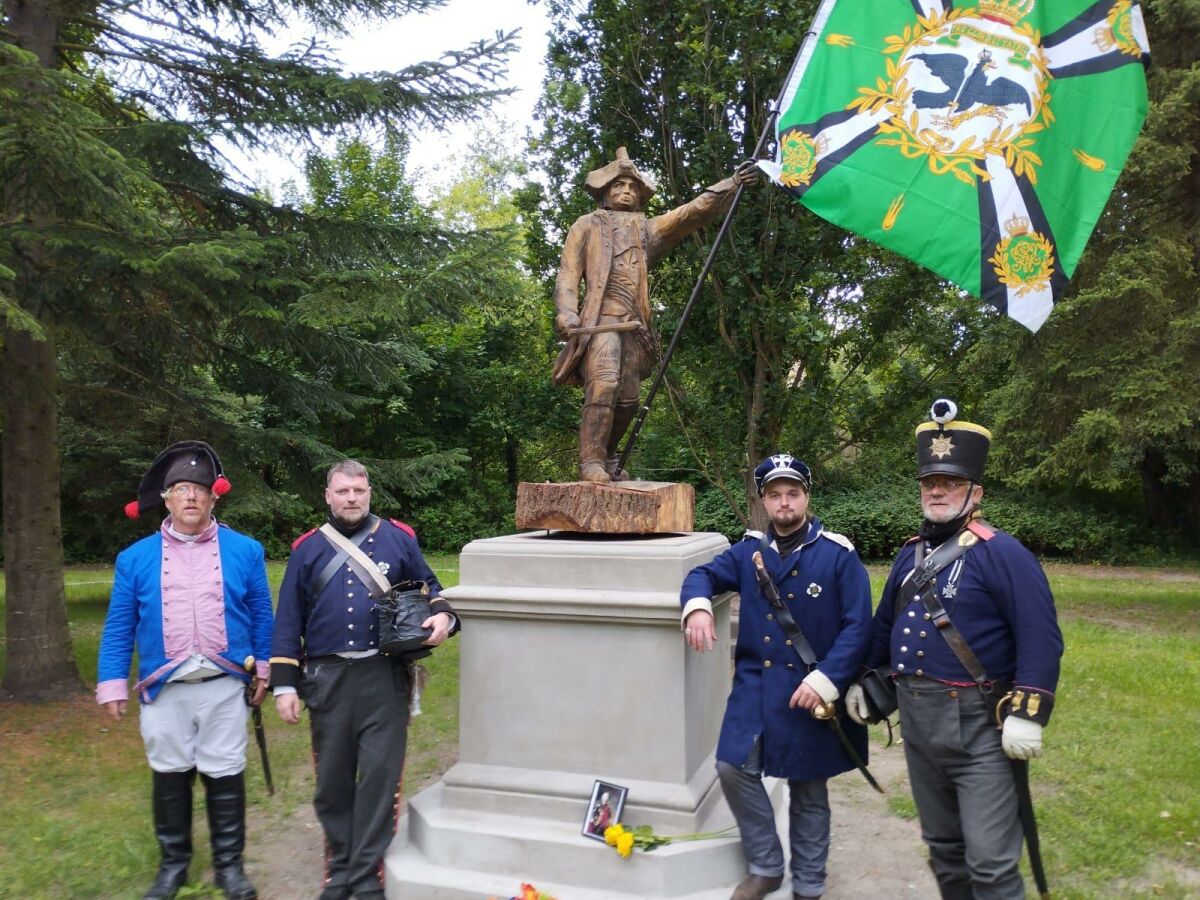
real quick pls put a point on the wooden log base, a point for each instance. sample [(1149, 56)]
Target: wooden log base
[(624, 507)]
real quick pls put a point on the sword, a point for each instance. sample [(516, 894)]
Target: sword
[(260, 733), (603, 329), (826, 712), (1020, 769)]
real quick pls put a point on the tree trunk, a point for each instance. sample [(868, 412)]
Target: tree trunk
[(37, 637), (38, 641)]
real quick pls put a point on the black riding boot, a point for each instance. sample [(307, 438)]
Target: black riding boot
[(172, 800), (227, 831)]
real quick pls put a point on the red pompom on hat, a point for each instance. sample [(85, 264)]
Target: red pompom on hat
[(192, 461)]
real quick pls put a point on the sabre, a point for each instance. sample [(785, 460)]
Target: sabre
[(260, 733), (826, 712)]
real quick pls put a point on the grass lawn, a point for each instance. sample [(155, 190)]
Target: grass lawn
[(1118, 791)]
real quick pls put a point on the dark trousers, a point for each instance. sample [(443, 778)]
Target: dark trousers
[(359, 715), (963, 787)]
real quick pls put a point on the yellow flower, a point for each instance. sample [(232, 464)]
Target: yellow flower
[(612, 833), (625, 844)]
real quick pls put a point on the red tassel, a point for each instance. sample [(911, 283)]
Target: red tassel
[(221, 486), (131, 509)]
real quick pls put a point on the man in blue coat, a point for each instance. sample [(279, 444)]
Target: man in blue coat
[(769, 727), (193, 600), (326, 652), (997, 604)]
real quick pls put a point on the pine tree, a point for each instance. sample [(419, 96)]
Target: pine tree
[(129, 260)]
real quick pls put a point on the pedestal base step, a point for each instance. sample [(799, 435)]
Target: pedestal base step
[(623, 507)]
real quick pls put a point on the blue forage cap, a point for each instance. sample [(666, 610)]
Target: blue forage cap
[(782, 465)]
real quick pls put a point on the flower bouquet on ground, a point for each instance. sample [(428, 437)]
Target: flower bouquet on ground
[(644, 838), (528, 892)]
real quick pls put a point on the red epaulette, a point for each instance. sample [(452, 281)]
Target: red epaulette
[(300, 540), (981, 529), (405, 527)]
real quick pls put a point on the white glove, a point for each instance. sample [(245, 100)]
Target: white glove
[(1021, 738), (856, 704)]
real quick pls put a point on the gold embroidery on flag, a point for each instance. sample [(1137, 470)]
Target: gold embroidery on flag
[(893, 212), (1025, 259), (839, 40), (1094, 163)]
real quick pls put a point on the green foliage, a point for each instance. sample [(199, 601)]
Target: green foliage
[(713, 513)]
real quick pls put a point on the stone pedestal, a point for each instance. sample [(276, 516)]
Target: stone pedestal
[(573, 669)]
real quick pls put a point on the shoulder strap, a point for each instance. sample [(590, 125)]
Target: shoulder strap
[(923, 583), (366, 570), (783, 615)]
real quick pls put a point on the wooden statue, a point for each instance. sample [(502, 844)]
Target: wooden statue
[(610, 345)]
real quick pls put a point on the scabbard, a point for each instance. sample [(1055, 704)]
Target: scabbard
[(1020, 768), (604, 329), (844, 740), (260, 736)]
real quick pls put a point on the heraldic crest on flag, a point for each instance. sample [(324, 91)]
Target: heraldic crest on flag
[(981, 140)]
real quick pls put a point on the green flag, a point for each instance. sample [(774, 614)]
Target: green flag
[(980, 140)]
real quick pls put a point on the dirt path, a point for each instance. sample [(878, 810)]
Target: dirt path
[(874, 853)]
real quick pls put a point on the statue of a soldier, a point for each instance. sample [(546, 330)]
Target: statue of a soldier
[(610, 346)]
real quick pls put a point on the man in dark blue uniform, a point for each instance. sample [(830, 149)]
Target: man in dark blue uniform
[(998, 603), (769, 727), (326, 648)]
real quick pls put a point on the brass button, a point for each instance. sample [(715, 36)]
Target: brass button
[(788, 642), (766, 663), (920, 671), (903, 649), (906, 631), (912, 614), (791, 596), (769, 617), (927, 617), (922, 634), (900, 667), (953, 695), (920, 653), (794, 573), (766, 639)]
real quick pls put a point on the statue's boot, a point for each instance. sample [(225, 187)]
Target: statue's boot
[(173, 829), (594, 429), (622, 416)]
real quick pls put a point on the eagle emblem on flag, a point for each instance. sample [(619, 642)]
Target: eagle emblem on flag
[(980, 140)]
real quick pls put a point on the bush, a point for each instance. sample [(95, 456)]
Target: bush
[(713, 514), (448, 524)]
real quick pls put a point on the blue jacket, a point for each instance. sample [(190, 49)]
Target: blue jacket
[(341, 617), (135, 613), (826, 588), (1000, 602)]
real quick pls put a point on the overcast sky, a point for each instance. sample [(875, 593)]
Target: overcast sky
[(415, 38)]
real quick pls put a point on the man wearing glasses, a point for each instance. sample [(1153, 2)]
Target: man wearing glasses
[(976, 643), (193, 600)]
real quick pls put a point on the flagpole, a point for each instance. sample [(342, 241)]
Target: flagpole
[(799, 64)]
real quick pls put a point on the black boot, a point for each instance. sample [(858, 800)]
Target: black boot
[(227, 831), (172, 800)]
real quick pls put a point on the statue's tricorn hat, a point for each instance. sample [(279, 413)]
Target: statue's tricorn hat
[(193, 461), (598, 180), (947, 447)]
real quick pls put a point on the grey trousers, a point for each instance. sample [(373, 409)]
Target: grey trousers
[(359, 715), (963, 787), (808, 817)]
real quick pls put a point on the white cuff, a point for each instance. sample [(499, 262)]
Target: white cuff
[(282, 689), (694, 604), (819, 682)]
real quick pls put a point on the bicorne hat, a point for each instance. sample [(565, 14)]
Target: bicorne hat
[(781, 465), (193, 461), (598, 180), (949, 447)]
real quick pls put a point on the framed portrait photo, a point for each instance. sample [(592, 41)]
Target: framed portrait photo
[(604, 809)]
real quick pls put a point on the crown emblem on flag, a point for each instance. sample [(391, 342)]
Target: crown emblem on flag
[(1010, 12), (1017, 224)]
